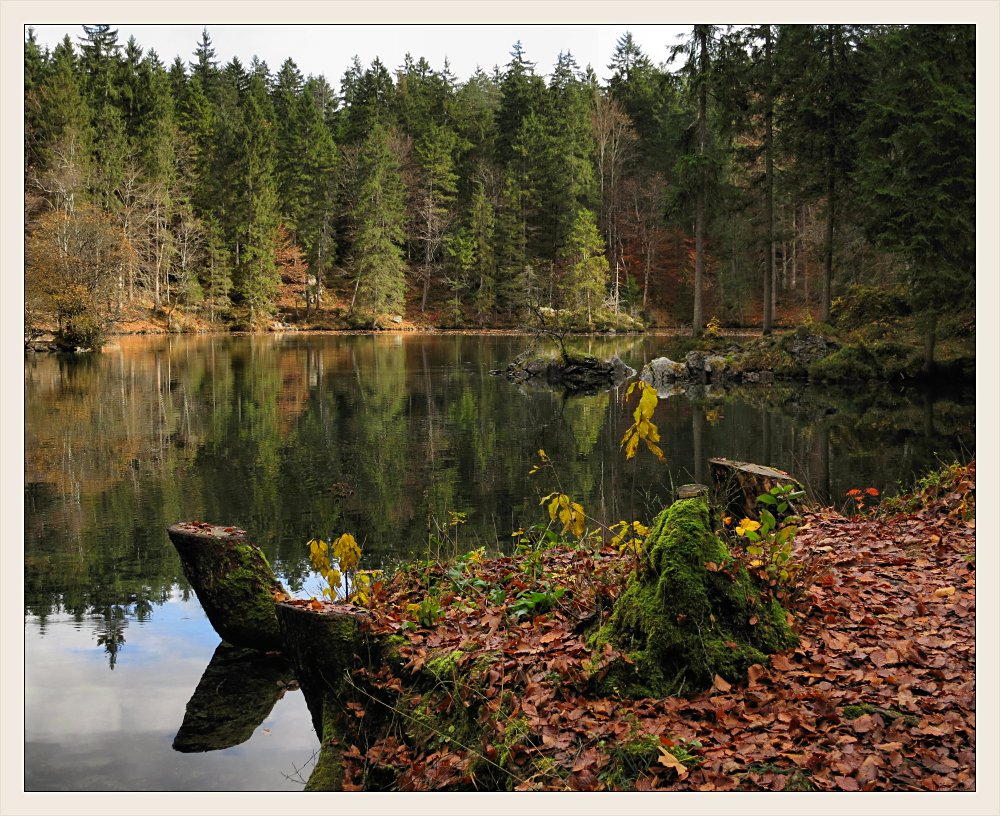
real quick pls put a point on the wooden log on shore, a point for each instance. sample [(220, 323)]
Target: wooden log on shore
[(738, 484), (233, 582)]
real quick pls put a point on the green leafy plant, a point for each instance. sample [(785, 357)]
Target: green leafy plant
[(529, 603), (769, 549), (426, 613)]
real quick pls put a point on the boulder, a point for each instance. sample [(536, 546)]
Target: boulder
[(715, 366), (662, 372)]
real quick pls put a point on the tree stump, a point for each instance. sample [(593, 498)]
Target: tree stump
[(233, 582), (688, 614), (738, 484), (691, 491), (325, 641)]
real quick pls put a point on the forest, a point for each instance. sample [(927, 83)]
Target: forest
[(762, 176)]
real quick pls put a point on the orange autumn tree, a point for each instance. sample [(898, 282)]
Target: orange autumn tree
[(75, 263), (292, 263)]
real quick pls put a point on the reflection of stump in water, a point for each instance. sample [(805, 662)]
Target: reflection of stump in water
[(235, 695)]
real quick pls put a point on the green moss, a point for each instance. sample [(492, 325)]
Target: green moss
[(515, 734), (681, 624), (328, 773), (444, 666), (851, 362), (852, 712)]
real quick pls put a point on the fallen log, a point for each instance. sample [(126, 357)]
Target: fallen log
[(738, 484), (233, 582)]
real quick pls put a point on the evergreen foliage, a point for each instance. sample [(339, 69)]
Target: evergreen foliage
[(778, 167)]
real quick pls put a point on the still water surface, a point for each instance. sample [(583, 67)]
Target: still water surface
[(294, 436)]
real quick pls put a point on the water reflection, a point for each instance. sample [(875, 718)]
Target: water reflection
[(234, 696), (295, 436)]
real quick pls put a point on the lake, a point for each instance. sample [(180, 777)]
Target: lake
[(405, 440)]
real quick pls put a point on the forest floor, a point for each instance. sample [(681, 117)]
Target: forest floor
[(878, 695)]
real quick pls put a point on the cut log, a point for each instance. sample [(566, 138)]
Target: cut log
[(738, 484), (233, 582), (692, 491)]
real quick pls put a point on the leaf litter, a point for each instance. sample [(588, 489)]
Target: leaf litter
[(878, 695)]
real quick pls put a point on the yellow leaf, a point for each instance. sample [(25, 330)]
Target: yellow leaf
[(632, 446), (944, 592)]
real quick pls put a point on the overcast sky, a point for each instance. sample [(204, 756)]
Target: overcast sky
[(328, 49)]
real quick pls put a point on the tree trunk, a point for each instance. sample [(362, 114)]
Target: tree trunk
[(233, 581), (769, 274), (738, 484), (699, 222), (831, 191), (930, 341)]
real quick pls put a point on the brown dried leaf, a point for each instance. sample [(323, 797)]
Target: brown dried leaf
[(670, 761)]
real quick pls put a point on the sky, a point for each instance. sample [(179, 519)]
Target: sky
[(329, 49)]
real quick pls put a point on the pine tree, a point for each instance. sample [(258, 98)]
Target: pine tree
[(482, 228), (917, 166), (434, 197), (379, 216), (822, 79), (317, 156), (699, 164), (255, 278), (101, 60), (566, 174), (585, 276), (63, 132)]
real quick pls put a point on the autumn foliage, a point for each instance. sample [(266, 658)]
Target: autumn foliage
[(877, 695)]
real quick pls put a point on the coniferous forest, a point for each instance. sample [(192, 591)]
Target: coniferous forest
[(758, 177)]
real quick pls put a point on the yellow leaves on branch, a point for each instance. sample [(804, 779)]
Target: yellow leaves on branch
[(643, 429), (629, 536), (567, 511), (338, 563)]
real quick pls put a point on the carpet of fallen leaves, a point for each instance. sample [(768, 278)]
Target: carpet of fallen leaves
[(879, 694)]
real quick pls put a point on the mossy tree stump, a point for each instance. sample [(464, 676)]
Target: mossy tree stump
[(325, 642), (684, 618), (233, 582)]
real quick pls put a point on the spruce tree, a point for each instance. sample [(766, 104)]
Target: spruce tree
[(917, 164), (255, 278), (585, 273), (379, 216)]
